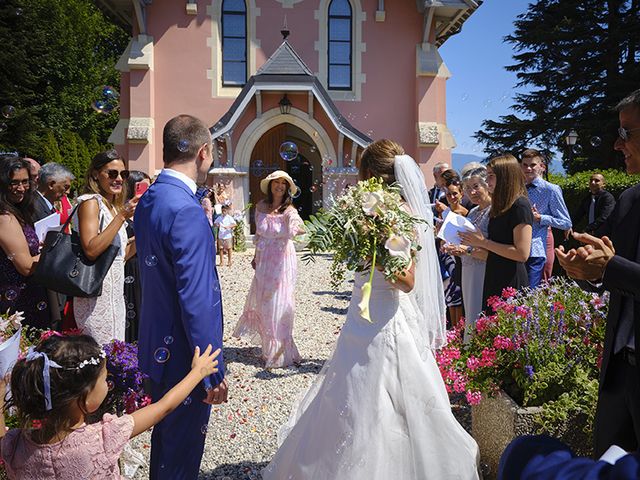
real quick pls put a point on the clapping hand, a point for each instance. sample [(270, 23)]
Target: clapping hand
[(589, 261)]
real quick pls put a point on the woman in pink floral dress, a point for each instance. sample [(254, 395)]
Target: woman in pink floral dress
[(269, 310)]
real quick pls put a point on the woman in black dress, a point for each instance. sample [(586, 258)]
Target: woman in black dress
[(19, 246), (509, 239)]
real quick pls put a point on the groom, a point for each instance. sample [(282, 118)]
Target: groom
[(181, 300)]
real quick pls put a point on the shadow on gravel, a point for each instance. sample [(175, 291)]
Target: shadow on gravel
[(235, 471), (335, 310), (346, 295), (251, 356)]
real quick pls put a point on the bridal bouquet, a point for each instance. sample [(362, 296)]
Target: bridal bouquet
[(366, 228)]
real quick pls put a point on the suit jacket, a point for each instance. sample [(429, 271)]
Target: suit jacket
[(605, 203), (622, 275), (545, 458), (181, 300), (40, 208)]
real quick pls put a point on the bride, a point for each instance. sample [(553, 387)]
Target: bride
[(379, 408)]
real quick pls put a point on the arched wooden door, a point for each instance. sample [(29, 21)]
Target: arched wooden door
[(265, 159)]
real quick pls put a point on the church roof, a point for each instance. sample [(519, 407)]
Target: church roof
[(284, 61), (285, 71)]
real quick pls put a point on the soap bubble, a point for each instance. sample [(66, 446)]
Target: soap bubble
[(596, 141), (168, 340), (183, 146), (312, 149), (288, 151), (41, 305), (131, 306), (105, 99), (11, 295), (295, 195), (465, 97), (3, 127), (577, 149), (151, 261), (204, 429), (161, 355), (313, 188), (128, 279), (8, 111), (110, 385), (187, 401), (131, 314)]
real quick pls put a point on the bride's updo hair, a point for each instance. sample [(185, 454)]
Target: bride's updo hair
[(377, 160)]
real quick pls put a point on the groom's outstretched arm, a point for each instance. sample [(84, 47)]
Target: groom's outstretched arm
[(191, 243)]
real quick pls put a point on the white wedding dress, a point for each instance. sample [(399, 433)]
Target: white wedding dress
[(379, 409)]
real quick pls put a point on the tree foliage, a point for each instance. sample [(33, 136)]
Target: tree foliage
[(55, 54), (574, 59)]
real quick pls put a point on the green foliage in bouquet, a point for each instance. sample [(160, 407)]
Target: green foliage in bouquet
[(543, 347), (239, 238), (368, 222)]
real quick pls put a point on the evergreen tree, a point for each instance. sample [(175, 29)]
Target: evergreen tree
[(575, 59), (50, 150), (55, 54)]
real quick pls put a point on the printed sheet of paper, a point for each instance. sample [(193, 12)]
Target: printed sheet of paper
[(9, 351), (52, 222), (452, 225)]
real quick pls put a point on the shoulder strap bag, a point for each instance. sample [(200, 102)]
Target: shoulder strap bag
[(64, 268)]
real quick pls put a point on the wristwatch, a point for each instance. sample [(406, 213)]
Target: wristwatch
[(469, 250)]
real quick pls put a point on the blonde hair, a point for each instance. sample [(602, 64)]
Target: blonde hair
[(378, 158), (509, 183), (93, 186)]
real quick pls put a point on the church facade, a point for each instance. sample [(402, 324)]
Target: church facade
[(319, 79)]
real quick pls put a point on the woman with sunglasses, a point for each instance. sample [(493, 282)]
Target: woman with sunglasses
[(20, 246), (101, 221)]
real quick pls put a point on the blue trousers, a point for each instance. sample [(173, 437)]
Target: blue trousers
[(177, 442), (535, 269)]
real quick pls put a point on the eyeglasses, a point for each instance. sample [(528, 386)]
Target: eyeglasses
[(113, 174), (16, 183), (623, 133)]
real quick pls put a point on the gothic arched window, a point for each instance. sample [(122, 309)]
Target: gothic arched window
[(340, 45), (234, 43)]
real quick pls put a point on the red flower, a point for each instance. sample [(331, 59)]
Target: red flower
[(509, 292)]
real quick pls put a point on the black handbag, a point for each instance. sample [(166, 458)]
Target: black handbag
[(64, 268)]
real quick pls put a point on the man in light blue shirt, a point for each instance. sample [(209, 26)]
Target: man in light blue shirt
[(549, 210)]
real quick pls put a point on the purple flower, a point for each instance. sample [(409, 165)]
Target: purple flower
[(528, 369)]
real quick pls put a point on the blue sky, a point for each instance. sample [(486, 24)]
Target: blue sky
[(480, 88)]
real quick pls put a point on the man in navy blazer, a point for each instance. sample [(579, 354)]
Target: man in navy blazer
[(614, 262), (181, 300)]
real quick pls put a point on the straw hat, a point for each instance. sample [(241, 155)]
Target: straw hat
[(264, 183)]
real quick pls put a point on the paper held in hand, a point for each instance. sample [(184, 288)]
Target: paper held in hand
[(452, 225), (52, 222), (9, 351)]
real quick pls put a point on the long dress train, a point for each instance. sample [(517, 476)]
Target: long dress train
[(379, 408)]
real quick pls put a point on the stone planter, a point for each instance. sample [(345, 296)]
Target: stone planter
[(498, 420)]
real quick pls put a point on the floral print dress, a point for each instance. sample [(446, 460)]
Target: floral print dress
[(270, 306)]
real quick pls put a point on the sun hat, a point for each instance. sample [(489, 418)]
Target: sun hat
[(264, 183)]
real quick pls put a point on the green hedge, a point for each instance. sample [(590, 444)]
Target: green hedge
[(575, 187)]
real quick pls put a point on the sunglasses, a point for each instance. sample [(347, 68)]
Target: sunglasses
[(113, 174), (623, 133)]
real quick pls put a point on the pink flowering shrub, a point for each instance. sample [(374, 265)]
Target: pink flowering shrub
[(543, 347)]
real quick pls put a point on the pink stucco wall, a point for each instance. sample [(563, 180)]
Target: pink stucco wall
[(393, 100)]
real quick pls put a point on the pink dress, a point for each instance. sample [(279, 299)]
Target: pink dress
[(90, 452), (269, 309)]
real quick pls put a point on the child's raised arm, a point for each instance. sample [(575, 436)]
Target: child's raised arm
[(201, 367)]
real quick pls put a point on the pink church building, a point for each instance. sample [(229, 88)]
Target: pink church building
[(342, 74)]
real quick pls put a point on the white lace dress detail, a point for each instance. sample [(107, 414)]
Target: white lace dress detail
[(104, 317)]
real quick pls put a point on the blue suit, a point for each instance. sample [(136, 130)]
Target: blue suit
[(181, 309), (544, 458)]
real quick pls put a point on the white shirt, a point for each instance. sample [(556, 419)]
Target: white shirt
[(45, 200), (182, 177), (226, 223)]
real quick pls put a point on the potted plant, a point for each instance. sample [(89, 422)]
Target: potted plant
[(531, 366)]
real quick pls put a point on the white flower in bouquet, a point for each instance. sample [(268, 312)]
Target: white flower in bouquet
[(399, 246), (373, 203), (10, 324), (368, 227)]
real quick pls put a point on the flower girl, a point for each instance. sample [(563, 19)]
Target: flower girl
[(54, 389)]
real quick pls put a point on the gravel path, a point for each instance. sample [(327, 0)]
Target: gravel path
[(242, 433)]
